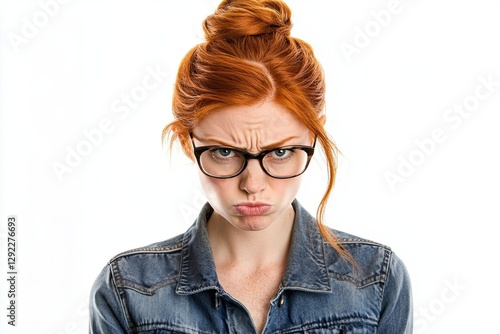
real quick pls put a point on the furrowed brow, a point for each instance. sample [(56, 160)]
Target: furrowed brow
[(278, 144), (229, 145)]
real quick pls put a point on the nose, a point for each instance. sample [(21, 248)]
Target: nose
[(253, 178)]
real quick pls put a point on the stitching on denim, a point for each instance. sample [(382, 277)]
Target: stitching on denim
[(149, 250), (173, 328), (386, 262), (126, 284), (305, 288), (115, 274), (191, 292), (362, 241), (329, 324), (378, 278), (184, 264)]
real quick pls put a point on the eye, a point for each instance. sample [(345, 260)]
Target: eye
[(222, 152), (281, 153)]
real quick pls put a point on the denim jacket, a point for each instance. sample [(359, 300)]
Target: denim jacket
[(172, 287)]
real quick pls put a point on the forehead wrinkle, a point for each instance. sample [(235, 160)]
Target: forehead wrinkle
[(253, 139), (250, 137), (252, 128), (245, 140), (273, 145)]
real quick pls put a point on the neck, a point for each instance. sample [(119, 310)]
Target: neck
[(252, 249)]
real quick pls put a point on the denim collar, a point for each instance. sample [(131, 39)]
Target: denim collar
[(306, 269)]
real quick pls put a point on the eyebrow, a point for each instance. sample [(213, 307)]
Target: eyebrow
[(273, 145)]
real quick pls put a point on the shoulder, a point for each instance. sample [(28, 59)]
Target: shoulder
[(146, 269), (143, 270), (133, 268), (375, 262), (164, 256), (379, 275), (169, 246)]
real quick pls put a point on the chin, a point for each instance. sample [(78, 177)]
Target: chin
[(252, 223)]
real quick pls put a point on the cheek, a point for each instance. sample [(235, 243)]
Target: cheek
[(216, 189), (287, 188)]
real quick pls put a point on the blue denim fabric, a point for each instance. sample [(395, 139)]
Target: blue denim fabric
[(172, 287)]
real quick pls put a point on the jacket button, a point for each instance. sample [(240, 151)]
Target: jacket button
[(281, 301)]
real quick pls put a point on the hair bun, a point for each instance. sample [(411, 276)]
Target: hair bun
[(238, 18)]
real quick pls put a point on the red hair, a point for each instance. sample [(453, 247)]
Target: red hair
[(249, 56)]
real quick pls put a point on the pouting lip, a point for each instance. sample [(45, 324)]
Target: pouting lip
[(252, 208), (252, 204)]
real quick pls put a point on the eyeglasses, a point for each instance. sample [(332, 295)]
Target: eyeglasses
[(226, 162)]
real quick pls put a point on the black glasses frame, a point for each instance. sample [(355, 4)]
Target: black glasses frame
[(198, 151)]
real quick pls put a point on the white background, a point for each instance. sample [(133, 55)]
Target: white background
[(70, 73)]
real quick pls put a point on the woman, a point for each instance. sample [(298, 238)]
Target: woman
[(248, 106)]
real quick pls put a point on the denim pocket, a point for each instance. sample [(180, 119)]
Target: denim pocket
[(338, 329)]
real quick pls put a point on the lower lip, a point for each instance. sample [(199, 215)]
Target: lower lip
[(252, 210)]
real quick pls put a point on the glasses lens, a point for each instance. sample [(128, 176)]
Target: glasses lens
[(285, 162), (227, 162), (221, 162)]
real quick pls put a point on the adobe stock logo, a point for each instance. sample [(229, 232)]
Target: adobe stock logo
[(364, 36), (190, 212), (122, 107), (430, 313), (39, 20), (453, 117)]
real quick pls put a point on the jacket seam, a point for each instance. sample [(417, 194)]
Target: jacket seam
[(306, 289), (126, 315), (127, 284), (362, 242), (155, 326), (329, 323), (149, 250), (360, 284), (373, 279), (387, 258)]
